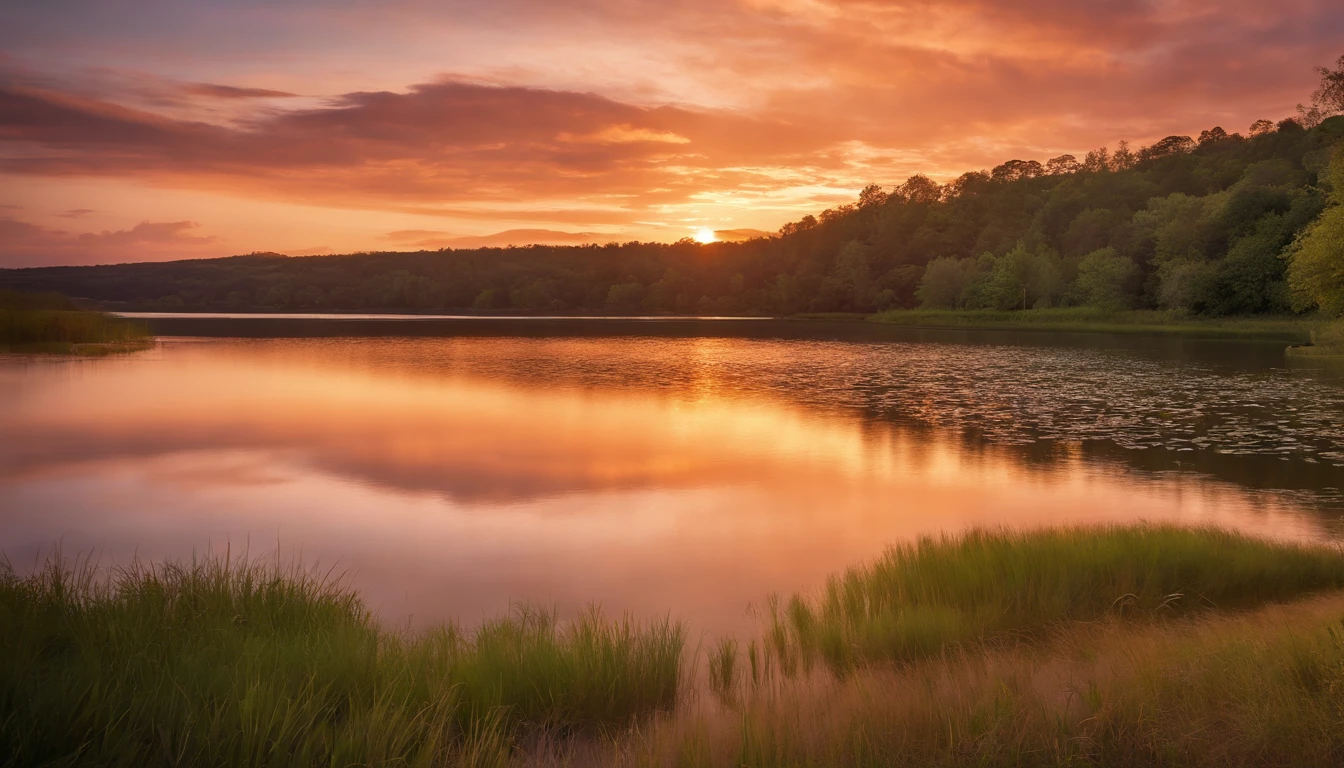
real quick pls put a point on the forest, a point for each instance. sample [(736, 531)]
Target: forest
[(1224, 223)]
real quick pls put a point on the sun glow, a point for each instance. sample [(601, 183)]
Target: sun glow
[(705, 235)]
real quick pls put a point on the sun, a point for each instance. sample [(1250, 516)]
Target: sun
[(704, 235)]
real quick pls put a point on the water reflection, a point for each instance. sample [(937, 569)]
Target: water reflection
[(690, 476)]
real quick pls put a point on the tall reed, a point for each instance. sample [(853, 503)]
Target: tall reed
[(229, 663), (33, 320), (924, 596)]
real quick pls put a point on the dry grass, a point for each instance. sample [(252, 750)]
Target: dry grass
[(1256, 688), (1060, 647), (924, 596)]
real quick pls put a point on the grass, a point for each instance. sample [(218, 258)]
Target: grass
[(1327, 342), (51, 323), (1088, 320), (924, 596), (221, 663), (1138, 645), (1261, 688)]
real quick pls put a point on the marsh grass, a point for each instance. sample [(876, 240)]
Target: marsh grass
[(1114, 646), (723, 667), (51, 323), (229, 663), (1260, 688), (921, 597), (1327, 341)]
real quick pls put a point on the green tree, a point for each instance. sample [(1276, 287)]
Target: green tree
[(1185, 283), (1021, 278), (625, 297), (1316, 258), (485, 300), (945, 282), (851, 275), (537, 294), (1327, 99), (1105, 280)]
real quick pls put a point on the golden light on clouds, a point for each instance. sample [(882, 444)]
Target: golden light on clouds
[(600, 121)]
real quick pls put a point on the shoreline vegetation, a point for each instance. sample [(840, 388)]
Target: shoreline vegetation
[(52, 323), (1327, 343), (1220, 225), (1296, 330), (1133, 645)]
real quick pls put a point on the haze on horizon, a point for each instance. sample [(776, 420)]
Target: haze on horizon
[(170, 129)]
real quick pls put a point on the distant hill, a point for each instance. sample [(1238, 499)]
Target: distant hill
[(1202, 224)]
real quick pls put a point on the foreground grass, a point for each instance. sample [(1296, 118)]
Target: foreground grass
[(1087, 320), (239, 664), (925, 596), (1100, 646), (1261, 688), (50, 323)]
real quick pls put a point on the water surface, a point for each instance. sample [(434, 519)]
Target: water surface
[(653, 474)]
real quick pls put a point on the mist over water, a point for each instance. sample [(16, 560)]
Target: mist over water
[(657, 475)]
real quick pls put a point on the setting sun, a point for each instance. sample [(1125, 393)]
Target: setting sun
[(413, 287)]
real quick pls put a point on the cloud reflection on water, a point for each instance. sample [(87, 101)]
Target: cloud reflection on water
[(449, 481)]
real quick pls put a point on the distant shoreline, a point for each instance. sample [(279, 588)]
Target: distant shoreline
[(1290, 330), (1295, 330)]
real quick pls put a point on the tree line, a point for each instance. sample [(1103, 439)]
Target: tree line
[(1223, 223)]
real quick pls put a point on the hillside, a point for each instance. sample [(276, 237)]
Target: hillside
[(1206, 225)]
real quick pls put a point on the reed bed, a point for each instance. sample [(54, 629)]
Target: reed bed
[(1139, 645), (1256, 688), (50, 322), (923, 596), (1327, 341), (228, 663)]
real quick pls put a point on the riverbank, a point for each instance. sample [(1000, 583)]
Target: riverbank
[(1103, 646), (1293, 330), (1327, 343), (51, 323), (1258, 688)]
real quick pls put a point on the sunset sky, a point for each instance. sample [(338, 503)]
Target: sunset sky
[(167, 129)]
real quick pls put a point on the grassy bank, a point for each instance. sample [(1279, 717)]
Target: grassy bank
[(1085, 320), (925, 596), (239, 664), (51, 323), (1110, 646), (1257, 688), (1327, 342)]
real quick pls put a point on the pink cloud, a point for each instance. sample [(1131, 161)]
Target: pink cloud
[(594, 115), (434, 239), (29, 245)]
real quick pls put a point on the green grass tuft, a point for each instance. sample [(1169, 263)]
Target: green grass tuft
[(921, 597), (236, 663), (50, 323), (219, 663), (1327, 341)]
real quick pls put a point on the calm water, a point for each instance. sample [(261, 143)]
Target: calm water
[(691, 476)]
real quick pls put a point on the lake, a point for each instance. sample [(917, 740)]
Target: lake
[(687, 469)]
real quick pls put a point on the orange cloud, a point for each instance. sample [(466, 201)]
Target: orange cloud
[(422, 238), (29, 245), (233, 92), (597, 115)]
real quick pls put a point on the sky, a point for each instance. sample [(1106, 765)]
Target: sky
[(167, 129)]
